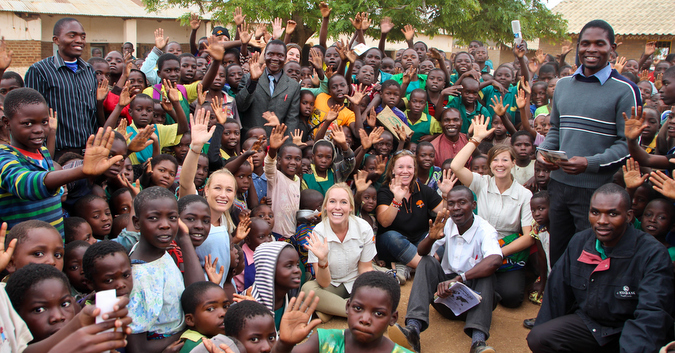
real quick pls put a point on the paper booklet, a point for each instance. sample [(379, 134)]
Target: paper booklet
[(553, 156), (462, 299)]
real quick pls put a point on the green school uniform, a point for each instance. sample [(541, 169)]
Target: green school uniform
[(426, 125), (314, 182), (509, 97), (456, 102)]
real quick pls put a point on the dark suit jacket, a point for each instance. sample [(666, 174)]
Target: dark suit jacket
[(285, 102)]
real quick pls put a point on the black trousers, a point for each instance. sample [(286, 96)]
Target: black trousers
[(567, 334), (568, 214)]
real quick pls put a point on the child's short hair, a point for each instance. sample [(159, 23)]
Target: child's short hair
[(30, 275), (20, 231), (150, 194), (115, 195), (192, 295), (74, 245), (541, 195), (423, 144), (548, 68), (80, 208), (521, 133), (70, 225), (99, 250), (8, 75), (380, 280), (309, 196), (540, 83), (164, 58), (236, 315), (139, 97), (95, 59), (418, 90), (185, 55), (306, 92), (17, 98), (388, 83), (188, 200)]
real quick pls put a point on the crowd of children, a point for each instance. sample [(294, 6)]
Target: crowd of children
[(201, 218)]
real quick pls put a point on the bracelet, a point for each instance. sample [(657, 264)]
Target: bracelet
[(463, 275), (324, 266), (474, 141), (197, 152), (396, 203)]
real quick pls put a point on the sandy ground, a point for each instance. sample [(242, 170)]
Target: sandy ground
[(447, 336)]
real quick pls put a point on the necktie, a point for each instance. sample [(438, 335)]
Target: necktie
[(273, 83)]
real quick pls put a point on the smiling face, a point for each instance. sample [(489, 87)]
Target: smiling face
[(338, 207), (220, 192), (369, 200), (369, 314), (47, 308), (462, 63), (657, 218), (461, 205), (163, 174), (288, 272), (479, 165), (404, 168), (275, 56), (293, 55), (539, 95), (425, 157), (170, 70), (113, 272), (70, 40), (501, 165), (208, 318), (99, 217), (290, 161), (609, 216), (409, 59), (231, 137), (29, 126), (593, 50), (197, 217), (136, 82), (266, 213), (452, 124)]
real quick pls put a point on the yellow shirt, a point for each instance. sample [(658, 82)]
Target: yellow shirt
[(167, 135)]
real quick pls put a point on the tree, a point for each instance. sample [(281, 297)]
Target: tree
[(465, 20)]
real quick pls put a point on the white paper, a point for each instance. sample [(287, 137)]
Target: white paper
[(553, 156), (462, 299), (105, 300)]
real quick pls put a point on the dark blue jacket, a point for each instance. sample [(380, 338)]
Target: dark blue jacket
[(629, 294)]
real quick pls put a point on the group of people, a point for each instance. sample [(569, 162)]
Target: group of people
[(234, 199)]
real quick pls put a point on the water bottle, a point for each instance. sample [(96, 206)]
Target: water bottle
[(515, 25)]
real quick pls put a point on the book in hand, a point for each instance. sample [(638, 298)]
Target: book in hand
[(462, 298), (553, 156)]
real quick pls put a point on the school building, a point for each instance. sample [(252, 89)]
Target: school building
[(635, 23), (28, 26)]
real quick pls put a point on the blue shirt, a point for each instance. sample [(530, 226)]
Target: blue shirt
[(260, 184), (602, 75)]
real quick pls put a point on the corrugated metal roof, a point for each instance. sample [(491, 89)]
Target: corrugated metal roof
[(106, 8), (627, 17)]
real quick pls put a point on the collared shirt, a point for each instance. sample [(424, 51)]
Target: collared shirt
[(446, 149), (71, 94), (508, 212), (344, 256), (602, 75), (464, 251), (274, 79)]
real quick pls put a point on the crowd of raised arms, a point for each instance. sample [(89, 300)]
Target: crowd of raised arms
[(235, 199)]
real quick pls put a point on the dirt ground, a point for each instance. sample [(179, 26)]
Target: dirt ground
[(507, 334)]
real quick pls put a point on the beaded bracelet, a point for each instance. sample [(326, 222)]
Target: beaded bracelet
[(396, 204)]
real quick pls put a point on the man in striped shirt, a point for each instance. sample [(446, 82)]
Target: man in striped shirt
[(68, 84)]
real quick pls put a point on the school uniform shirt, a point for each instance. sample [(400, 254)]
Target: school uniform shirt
[(523, 174), (321, 108), (425, 125), (167, 135), (72, 95), (285, 196), (464, 251), (413, 217), (508, 212), (192, 339), (14, 333), (446, 149), (487, 93), (344, 256), (456, 102), (413, 85), (23, 194)]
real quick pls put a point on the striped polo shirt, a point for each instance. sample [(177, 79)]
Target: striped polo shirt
[(71, 94)]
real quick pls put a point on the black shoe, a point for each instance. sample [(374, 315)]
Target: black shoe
[(481, 347), (529, 323), (405, 336)]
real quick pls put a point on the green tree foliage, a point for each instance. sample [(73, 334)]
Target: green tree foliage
[(465, 20)]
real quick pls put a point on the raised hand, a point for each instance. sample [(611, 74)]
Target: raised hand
[(277, 29), (210, 269), (243, 229), (498, 105), (195, 22), (125, 98), (295, 325), (201, 95), (436, 227), (452, 90), (142, 140), (519, 50), (318, 247), (375, 135), (329, 72), (409, 32), (211, 347), (339, 138), (256, 68), (365, 21), (102, 90), (380, 164), (171, 89), (525, 85), (449, 181), (358, 95), (122, 128), (54, 120), (215, 48), (386, 25), (160, 41), (371, 119), (97, 155), (315, 58), (238, 17), (480, 124), (658, 82), (356, 21), (277, 137), (635, 124), (5, 254), (644, 75), (5, 55), (271, 118), (361, 181), (332, 114), (399, 190), (409, 74), (522, 99), (217, 106), (133, 189), (290, 26), (620, 63), (200, 128), (325, 10), (435, 54), (663, 184), (540, 56), (244, 33), (631, 174), (533, 66), (166, 104), (566, 48), (650, 48)]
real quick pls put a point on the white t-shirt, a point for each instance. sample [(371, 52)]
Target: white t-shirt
[(14, 333)]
